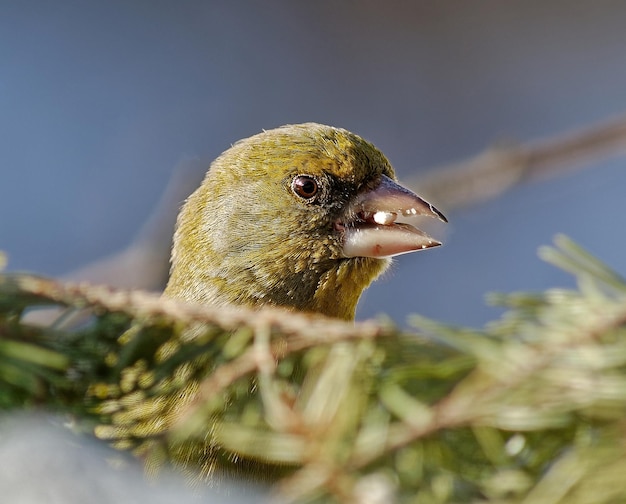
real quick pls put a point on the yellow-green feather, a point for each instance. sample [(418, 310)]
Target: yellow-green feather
[(243, 237)]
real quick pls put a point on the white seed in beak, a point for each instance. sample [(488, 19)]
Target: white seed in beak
[(384, 218)]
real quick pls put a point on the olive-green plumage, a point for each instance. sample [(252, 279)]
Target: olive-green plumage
[(245, 237), (303, 217)]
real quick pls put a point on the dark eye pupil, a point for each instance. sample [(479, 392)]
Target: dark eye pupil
[(305, 187)]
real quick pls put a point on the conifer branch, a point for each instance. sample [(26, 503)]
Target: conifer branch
[(527, 409)]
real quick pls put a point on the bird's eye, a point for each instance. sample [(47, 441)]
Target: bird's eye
[(304, 186)]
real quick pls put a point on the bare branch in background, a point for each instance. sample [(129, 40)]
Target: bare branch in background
[(144, 263), (499, 169)]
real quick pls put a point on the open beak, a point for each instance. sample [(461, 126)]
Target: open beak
[(373, 228)]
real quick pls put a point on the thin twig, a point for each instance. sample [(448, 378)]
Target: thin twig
[(143, 264), (303, 330), (499, 169)]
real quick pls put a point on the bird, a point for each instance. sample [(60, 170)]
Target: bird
[(304, 217)]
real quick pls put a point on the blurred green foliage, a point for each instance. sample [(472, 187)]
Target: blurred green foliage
[(529, 409)]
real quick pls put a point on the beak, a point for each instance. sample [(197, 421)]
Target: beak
[(372, 228)]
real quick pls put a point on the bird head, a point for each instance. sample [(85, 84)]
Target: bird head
[(303, 216)]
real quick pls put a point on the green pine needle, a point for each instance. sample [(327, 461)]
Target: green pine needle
[(529, 409)]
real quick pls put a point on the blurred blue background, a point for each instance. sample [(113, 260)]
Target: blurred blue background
[(100, 100)]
